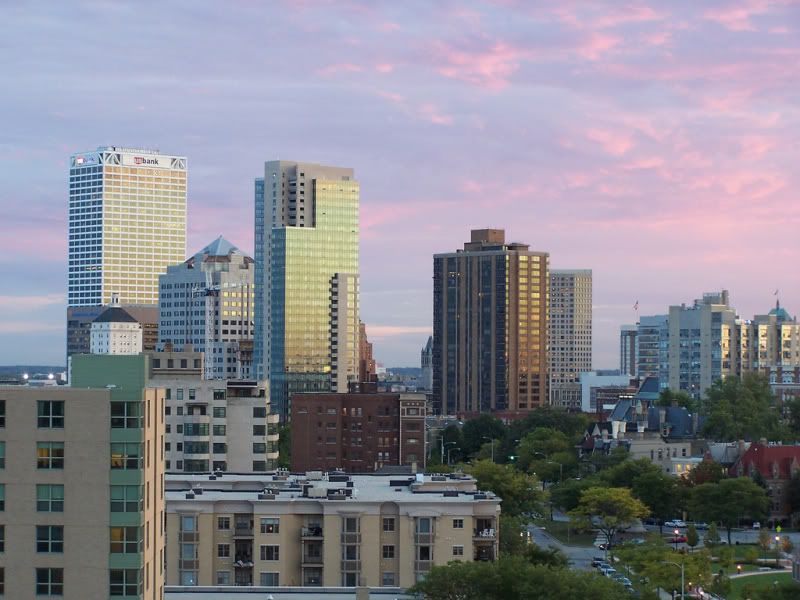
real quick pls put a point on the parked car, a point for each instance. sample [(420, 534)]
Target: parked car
[(701, 525), (677, 539), (608, 571), (622, 579), (756, 525), (675, 523), (598, 560)]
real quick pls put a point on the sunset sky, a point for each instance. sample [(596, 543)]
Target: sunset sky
[(657, 144)]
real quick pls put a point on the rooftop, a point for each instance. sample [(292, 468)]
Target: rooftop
[(115, 314)]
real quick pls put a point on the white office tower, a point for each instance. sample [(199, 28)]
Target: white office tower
[(206, 304), (115, 331), (127, 222)]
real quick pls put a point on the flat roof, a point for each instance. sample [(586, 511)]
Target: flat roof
[(277, 593)]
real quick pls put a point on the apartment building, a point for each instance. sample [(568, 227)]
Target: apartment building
[(358, 432), (324, 530), (213, 424), (81, 485)]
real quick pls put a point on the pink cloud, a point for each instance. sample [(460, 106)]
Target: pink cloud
[(755, 146), (738, 17), (490, 68), (613, 143), (381, 331), (434, 115), (652, 162), (388, 26), (384, 67), (335, 69), (596, 45)]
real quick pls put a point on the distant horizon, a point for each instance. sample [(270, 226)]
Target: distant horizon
[(654, 144)]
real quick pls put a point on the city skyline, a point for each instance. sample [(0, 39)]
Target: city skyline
[(652, 145)]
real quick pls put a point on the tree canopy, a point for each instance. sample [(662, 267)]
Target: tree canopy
[(729, 501), (520, 493), (608, 509), (743, 408)]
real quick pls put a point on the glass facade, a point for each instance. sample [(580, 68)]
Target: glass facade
[(127, 222)]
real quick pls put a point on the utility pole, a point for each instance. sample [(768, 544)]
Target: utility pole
[(486, 437)]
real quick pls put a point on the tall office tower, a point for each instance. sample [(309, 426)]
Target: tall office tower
[(652, 337), (702, 343), (426, 364), (208, 301), (490, 314), (82, 491), (628, 349), (127, 222), (770, 342), (306, 251), (570, 334)]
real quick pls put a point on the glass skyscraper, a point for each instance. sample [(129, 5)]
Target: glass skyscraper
[(127, 222), (306, 251)]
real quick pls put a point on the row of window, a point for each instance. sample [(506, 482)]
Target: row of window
[(50, 414)]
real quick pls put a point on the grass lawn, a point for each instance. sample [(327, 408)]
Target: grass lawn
[(558, 529), (759, 582)]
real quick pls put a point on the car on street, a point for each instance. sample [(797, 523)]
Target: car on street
[(598, 560), (622, 579), (675, 523), (608, 570), (677, 539), (756, 525), (701, 525)]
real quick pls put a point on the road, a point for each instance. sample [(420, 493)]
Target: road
[(579, 556)]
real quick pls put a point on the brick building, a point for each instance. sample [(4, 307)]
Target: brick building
[(358, 432), (776, 464)]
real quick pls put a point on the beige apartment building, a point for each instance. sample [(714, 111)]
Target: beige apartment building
[(324, 530), (81, 485), (213, 424)]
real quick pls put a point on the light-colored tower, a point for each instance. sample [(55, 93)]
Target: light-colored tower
[(426, 364), (115, 331), (306, 238), (628, 349), (652, 337), (570, 334), (208, 301), (127, 222), (490, 313)]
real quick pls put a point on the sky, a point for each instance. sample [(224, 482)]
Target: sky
[(655, 143)]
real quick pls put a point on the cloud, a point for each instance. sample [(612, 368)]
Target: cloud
[(382, 331), (13, 303), (597, 45), (338, 68), (613, 143), (488, 67), (25, 327)]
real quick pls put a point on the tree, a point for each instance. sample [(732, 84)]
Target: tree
[(537, 446), (741, 409), (624, 474), (712, 535), (476, 429), (764, 541), (680, 398), (791, 409), (512, 578), (567, 495), (284, 447), (728, 501), (692, 539), (660, 492), (649, 560), (708, 471), (608, 509), (513, 534), (520, 493), (793, 493)]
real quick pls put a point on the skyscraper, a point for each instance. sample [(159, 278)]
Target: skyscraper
[(628, 349), (306, 251), (652, 337), (490, 313), (570, 334), (207, 301), (127, 222)]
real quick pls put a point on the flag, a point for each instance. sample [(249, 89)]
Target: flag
[(636, 306), (776, 293)]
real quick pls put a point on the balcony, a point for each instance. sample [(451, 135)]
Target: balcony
[(311, 560), (422, 566), (243, 530), (351, 538), (351, 566), (311, 533), (485, 554), (484, 535)]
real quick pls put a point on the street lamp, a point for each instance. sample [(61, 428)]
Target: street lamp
[(449, 450), (777, 548), (680, 566), (443, 447), (738, 569), (486, 437)]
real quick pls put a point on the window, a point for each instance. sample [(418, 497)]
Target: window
[(126, 415), (125, 540), (388, 523), (188, 578), (2, 496), (423, 553), (50, 498), (49, 582), (223, 522), (127, 498), (270, 552), (124, 582), (223, 577), (259, 430), (270, 525), (259, 448), (388, 551), (49, 538), (269, 579), (387, 579), (219, 412), (219, 448), (423, 525), (2, 413), (458, 523), (126, 455), (50, 455), (192, 394), (2, 455), (458, 550), (51, 414), (179, 395), (219, 429), (259, 412), (223, 550), (219, 394), (259, 465), (2, 538)]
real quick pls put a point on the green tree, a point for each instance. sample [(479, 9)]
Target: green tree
[(764, 541), (284, 447), (650, 561), (475, 430), (601, 462), (728, 501), (608, 509), (624, 474), (567, 495), (513, 534), (708, 471), (669, 398), (712, 535), (512, 578), (692, 539), (791, 409), (520, 493), (741, 409), (660, 492)]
